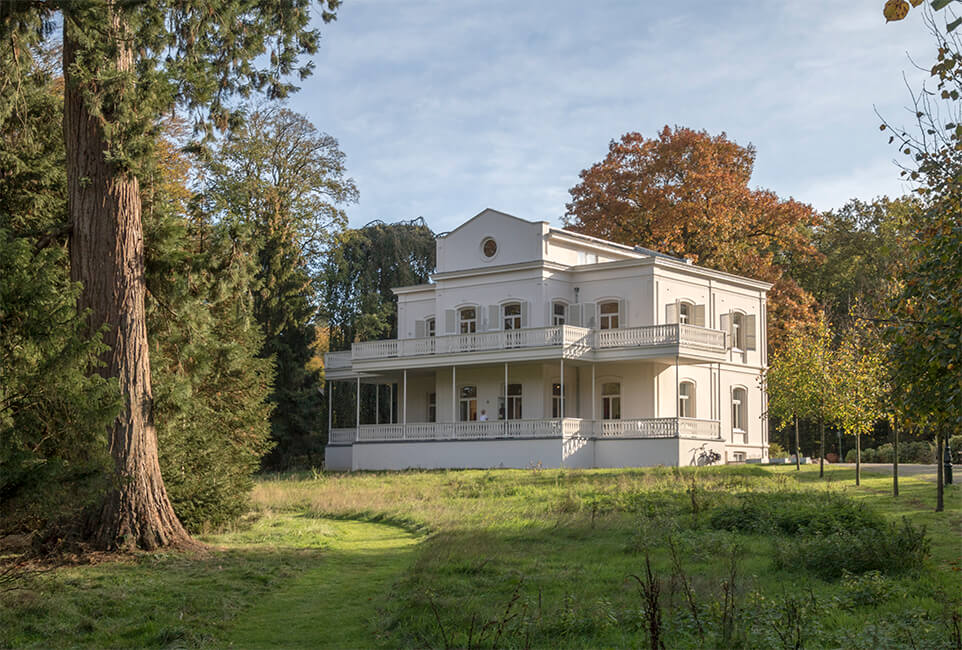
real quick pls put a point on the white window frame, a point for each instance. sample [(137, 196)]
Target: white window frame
[(432, 407), (556, 318), (557, 398), (687, 402), (610, 402), (738, 330), (430, 327), (512, 321), (515, 402), (686, 312), (464, 403), (605, 320), (739, 409), (467, 325)]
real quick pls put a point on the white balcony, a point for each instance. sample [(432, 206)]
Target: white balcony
[(567, 339), (508, 429)]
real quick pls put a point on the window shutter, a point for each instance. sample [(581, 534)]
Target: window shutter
[(671, 312), (750, 332), (450, 321), (700, 315), (589, 314), (622, 313), (574, 315), (524, 313), (494, 317), (419, 329), (726, 325)]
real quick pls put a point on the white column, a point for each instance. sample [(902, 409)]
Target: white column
[(404, 411), (454, 393), (561, 411), (506, 392), (357, 412), (677, 412), (593, 398)]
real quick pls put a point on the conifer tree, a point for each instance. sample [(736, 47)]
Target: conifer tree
[(125, 65)]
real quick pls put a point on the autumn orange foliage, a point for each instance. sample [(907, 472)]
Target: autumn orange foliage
[(686, 193)]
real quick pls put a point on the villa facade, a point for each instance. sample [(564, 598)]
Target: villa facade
[(538, 346)]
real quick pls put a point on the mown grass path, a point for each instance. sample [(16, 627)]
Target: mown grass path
[(332, 604)]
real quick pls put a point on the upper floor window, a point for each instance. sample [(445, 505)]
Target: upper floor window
[(739, 409), (429, 328), (511, 316), (738, 330), (610, 315), (686, 399), (686, 313), (468, 320), (611, 401), (559, 313)]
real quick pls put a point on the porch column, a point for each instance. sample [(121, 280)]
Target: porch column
[(505, 396), (593, 398), (404, 410), (677, 405), (390, 403), (454, 393), (377, 403), (561, 411), (357, 412)]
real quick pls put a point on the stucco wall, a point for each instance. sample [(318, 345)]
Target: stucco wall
[(458, 454)]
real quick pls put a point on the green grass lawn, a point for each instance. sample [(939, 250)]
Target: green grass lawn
[(742, 557)]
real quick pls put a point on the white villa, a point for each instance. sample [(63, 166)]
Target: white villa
[(538, 346)]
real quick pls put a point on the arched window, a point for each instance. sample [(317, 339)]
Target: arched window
[(429, 327), (686, 313), (511, 315), (686, 399), (468, 320), (611, 401), (739, 409), (610, 315), (559, 313), (738, 330)]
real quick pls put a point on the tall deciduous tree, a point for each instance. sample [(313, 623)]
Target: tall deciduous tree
[(280, 186), (126, 64), (686, 193)]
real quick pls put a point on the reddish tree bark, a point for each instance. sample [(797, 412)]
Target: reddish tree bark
[(107, 256)]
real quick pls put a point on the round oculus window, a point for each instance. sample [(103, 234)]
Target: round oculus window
[(489, 247)]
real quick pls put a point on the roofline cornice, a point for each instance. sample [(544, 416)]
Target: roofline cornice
[(502, 268)]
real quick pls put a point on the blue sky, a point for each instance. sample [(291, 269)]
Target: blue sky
[(444, 108)]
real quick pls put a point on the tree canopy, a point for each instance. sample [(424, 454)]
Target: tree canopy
[(686, 193)]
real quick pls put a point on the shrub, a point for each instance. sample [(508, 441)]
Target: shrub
[(793, 513), (775, 450), (850, 456), (920, 451), (884, 453), (888, 549), (868, 455), (955, 444)]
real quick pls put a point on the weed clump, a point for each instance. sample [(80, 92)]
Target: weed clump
[(794, 513)]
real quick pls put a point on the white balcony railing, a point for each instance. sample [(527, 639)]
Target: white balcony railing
[(552, 428), (335, 360), (565, 337)]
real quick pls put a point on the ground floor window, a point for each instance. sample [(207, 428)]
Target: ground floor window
[(739, 404), (686, 399), (432, 407), (514, 403), (556, 399), (468, 402), (738, 456), (611, 401)]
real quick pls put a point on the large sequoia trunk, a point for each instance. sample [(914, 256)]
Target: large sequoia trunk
[(107, 256)]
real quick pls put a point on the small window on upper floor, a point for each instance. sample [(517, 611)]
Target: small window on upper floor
[(468, 320), (511, 315), (738, 330), (685, 315), (489, 247), (609, 315), (559, 313), (429, 327)]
